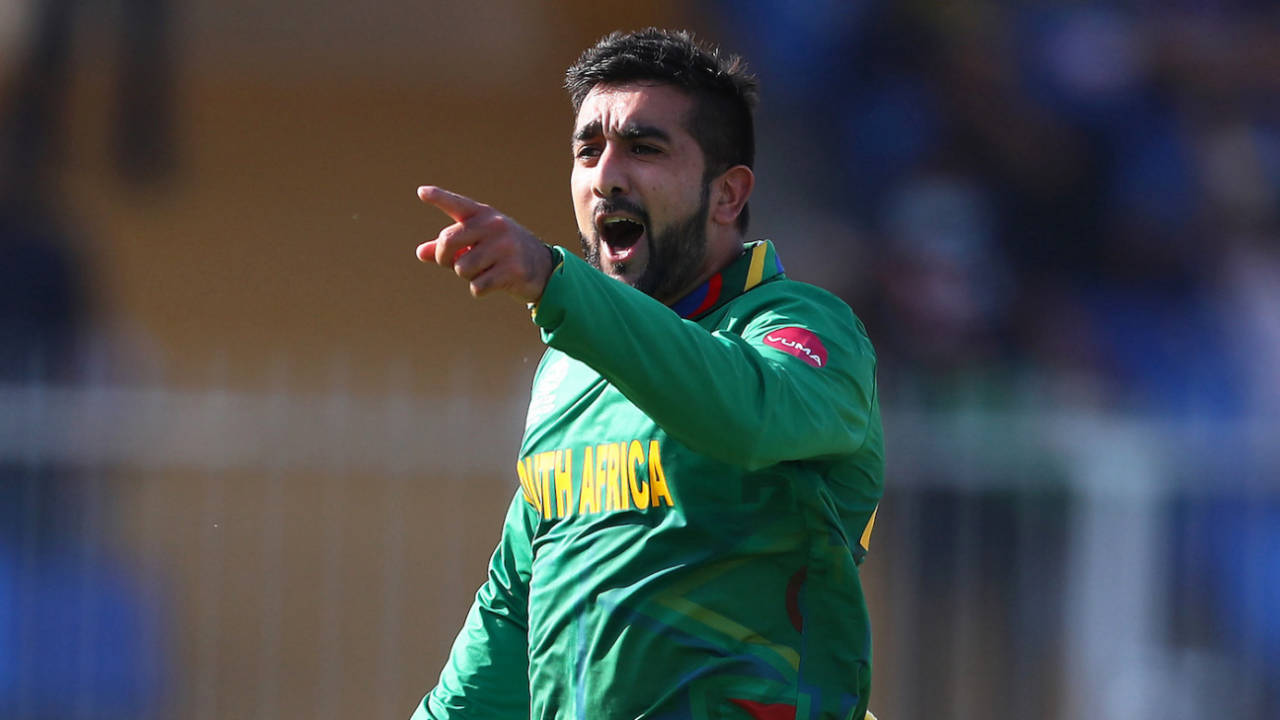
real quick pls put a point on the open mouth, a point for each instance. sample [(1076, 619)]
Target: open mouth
[(620, 233)]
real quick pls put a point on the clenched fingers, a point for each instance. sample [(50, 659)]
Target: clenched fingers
[(455, 241)]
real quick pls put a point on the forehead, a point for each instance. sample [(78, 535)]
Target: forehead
[(614, 107)]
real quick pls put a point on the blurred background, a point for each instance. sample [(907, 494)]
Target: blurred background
[(254, 456)]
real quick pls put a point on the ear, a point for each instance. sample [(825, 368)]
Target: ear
[(729, 193)]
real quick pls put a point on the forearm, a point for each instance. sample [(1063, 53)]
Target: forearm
[(487, 672)]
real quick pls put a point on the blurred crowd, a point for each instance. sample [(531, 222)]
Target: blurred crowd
[(1055, 204), (82, 632), (1078, 200)]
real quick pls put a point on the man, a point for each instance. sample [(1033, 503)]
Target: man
[(702, 457)]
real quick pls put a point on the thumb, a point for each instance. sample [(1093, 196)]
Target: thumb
[(427, 251)]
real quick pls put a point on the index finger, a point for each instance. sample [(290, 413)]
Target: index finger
[(458, 207)]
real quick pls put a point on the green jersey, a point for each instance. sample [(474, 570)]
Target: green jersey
[(697, 489)]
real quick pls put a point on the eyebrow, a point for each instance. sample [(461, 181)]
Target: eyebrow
[(631, 131)]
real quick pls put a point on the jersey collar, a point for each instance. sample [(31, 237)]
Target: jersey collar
[(757, 263)]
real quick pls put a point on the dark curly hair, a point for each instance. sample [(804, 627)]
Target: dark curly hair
[(724, 93)]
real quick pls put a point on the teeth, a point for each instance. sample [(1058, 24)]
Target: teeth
[(612, 221)]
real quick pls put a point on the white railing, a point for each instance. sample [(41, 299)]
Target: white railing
[(1094, 579)]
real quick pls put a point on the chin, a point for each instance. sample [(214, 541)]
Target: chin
[(627, 276)]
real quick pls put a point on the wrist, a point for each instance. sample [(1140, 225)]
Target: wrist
[(544, 277)]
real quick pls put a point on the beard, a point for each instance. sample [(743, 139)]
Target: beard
[(675, 255)]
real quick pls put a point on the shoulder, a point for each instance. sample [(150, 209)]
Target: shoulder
[(803, 320), (788, 301), (786, 290)]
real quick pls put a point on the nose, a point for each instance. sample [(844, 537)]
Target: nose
[(611, 176)]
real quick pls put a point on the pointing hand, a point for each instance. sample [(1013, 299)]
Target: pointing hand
[(486, 248)]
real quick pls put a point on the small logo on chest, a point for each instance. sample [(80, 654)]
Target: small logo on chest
[(544, 394)]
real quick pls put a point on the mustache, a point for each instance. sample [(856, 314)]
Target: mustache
[(620, 205)]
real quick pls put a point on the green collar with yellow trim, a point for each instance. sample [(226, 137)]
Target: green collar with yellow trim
[(757, 263)]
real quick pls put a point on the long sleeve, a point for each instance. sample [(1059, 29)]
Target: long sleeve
[(487, 675), (744, 392)]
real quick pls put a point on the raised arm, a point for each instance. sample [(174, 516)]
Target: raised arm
[(748, 394)]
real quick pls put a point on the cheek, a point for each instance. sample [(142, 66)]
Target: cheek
[(670, 202), (580, 191)]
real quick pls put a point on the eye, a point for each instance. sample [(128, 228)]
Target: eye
[(645, 150), (587, 151)]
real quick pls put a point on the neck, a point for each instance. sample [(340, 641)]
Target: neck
[(720, 254)]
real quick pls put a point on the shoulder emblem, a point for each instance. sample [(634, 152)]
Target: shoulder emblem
[(799, 342)]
